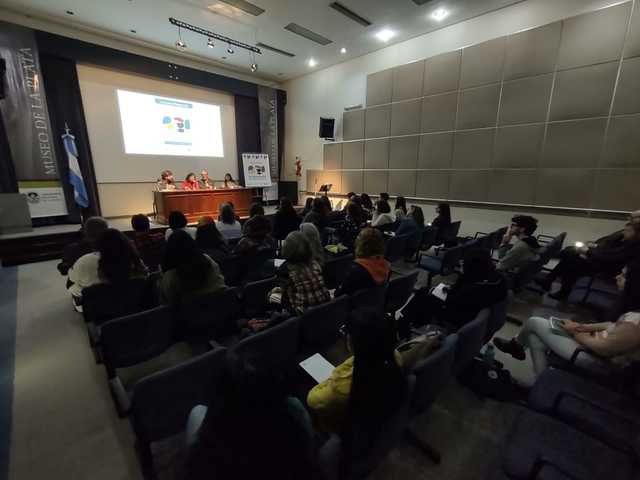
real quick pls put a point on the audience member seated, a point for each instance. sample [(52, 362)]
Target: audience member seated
[(525, 247), (190, 182), (400, 209), (413, 222), (370, 269), (355, 221), (385, 196), (205, 182), (177, 221), (442, 222), (367, 204), (313, 236), (368, 387), (308, 206), (382, 214), (605, 257), (250, 429), (286, 220), (91, 230), (187, 272), (319, 214), (211, 242), (608, 344), (300, 277), (228, 225), (115, 261), (150, 245), (257, 236), (480, 286), (256, 209)]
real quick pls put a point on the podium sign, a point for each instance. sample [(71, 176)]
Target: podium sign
[(256, 170)]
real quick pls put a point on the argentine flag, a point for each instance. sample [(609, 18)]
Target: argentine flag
[(75, 175)]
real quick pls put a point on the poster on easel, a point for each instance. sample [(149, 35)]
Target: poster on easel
[(256, 170)]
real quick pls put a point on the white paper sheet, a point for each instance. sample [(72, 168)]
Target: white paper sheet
[(318, 367)]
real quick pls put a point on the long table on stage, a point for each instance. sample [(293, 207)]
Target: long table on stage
[(197, 203)]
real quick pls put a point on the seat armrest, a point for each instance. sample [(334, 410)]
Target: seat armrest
[(539, 464), (591, 403)]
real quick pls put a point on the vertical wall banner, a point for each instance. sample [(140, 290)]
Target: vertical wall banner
[(26, 120), (268, 108)]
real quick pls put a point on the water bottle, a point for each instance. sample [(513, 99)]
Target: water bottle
[(489, 355)]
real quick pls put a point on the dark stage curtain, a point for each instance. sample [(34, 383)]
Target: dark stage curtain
[(247, 129), (8, 182), (65, 107)]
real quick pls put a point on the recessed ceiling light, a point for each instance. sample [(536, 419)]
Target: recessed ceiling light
[(69, 12), (254, 67), (210, 43), (343, 50), (439, 14), (133, 31), (385, 35), (312, 63), (230, 50)]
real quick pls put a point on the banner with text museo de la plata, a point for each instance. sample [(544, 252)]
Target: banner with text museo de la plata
[(27, 123)]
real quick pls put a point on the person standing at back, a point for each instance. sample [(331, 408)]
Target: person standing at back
[(524, 248)]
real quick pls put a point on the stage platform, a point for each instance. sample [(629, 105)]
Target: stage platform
[(47, 243)]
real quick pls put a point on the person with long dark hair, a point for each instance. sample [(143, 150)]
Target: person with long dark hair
[(413, 222), (608, 345), (178, 221), (382, 214), (257, 236), (229, 182), (367, 204), (308, 206), (319, 214), (442, 221), (187, 272), (250, 429), (115, 261), (286, 220), (228, 224), (400, 209), (365, 389), (211, 242), (190, 182)]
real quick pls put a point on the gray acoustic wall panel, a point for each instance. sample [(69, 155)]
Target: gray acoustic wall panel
[(469, 185), (583, 92), (622, 148), (377, 121), (442, 73), (353, 125), (482, 63), (473, 149), (333, 156), (564, 187), (314, 180), (532, 52), (628, 91), (376, 182), (632, 46), (403, 152), (376, 153), (436, 150), (512, 186), (595, 37), (405, 117), (616, 189), (478, 107), (353, 155), (333, 178), (379, 87), (439, 112), (574, 144), (518, 147), (407, 81), (537, 117), (352, 181), (402, 183), (433, 184), (526, 100)]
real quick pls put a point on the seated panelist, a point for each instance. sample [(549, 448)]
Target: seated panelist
[(191, 182), (229, 182), (205, 181), (166, 181)]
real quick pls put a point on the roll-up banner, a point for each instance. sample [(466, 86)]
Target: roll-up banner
[(27, 123)]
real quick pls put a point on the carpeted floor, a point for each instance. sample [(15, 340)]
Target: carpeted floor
[(64, 425)]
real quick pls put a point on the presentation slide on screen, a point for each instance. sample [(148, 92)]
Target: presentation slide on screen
[(154, 125)]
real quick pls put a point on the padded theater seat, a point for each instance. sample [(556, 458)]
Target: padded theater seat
[(536, 440), (601, 413)]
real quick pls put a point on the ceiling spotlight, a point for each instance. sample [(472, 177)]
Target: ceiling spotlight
[(385, 35), (439, 14), (312, 63), (230, 50), (254, 67), (343, 50), (210, 43), (180, 45)]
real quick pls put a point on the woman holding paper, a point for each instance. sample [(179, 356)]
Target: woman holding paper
[(604, 345)]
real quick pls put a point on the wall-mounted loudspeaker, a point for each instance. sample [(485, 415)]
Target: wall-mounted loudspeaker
[(326, 127)]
